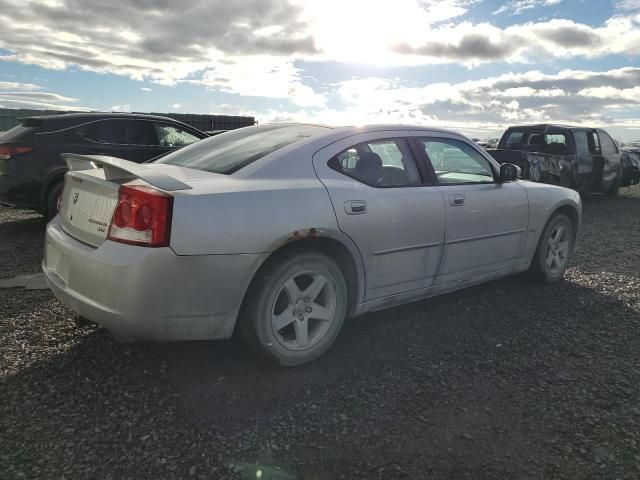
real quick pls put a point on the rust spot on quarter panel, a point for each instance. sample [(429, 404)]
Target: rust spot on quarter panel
[(302, 235)]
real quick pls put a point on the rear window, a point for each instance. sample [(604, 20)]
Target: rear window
[(230, 151), (582, 143), (16, 133), (555, 143), (514, 139)]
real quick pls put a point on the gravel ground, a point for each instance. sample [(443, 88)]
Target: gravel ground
[(506, 380)]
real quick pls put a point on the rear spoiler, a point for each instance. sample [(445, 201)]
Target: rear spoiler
[(119, 169)]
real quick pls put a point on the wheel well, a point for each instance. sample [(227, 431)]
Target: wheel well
[(330, 247), (572, 213)]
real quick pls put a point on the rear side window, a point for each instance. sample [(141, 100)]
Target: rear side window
[(379, 163), (607, 144), (230, 151), (121, 132), (582, 143)]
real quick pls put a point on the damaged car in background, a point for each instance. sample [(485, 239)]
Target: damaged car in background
[(280, 232), (583, 159), (630, 165)]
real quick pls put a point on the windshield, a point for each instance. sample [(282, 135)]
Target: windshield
[(230, 151)]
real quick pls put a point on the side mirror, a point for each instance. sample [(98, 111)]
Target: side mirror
[(509, 172)]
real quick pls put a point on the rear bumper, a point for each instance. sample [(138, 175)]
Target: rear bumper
[(148, 293)]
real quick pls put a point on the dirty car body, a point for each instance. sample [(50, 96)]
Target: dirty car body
[(584, 159), (381, 201)]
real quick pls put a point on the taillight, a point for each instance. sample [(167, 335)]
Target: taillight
[(142, 217), (10, 151)]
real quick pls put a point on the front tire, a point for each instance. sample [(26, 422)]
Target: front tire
[(295, 308), (554, 250)]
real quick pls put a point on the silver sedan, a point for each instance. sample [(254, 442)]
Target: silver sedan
[(281, 231)]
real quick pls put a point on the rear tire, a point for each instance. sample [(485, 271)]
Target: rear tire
[(54, 196), (554, 250), (294, 308)]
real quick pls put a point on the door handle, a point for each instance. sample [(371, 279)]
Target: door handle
[(456, 199), (355, 207)]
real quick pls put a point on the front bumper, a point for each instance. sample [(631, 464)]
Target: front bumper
[(148, 293)]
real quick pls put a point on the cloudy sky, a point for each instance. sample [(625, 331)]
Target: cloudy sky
[(472, 65)]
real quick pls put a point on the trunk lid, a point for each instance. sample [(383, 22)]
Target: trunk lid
[(87, 205), (90, 193)]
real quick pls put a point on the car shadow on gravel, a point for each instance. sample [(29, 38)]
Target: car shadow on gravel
[(17, 224), (21, 242), (510, 379), (509, 374)]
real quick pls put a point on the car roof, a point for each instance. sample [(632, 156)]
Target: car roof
[(67, 120), (334, 133), (347, 131), (541, 127)]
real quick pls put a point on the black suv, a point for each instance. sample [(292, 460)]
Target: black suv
[(32, 172)]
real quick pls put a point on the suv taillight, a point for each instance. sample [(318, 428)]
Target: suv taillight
[(142, 217), (10, 151)]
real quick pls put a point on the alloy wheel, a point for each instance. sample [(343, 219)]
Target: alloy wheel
[(303, 310), (558, 246)]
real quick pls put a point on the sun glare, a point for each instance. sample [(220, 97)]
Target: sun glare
[(364, 31)]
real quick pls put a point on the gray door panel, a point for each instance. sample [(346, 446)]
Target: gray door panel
[(485, 234), (399, 231), (486, 221)]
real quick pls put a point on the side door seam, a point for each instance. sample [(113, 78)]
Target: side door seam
[(335, 216), (423, 159)]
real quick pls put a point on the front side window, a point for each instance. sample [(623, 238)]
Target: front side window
[(582, 143), (456, 162), (108, 131), (606, 144), (231, 151), (170, 136), (379, 163), (140, 132), (596, 143)]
